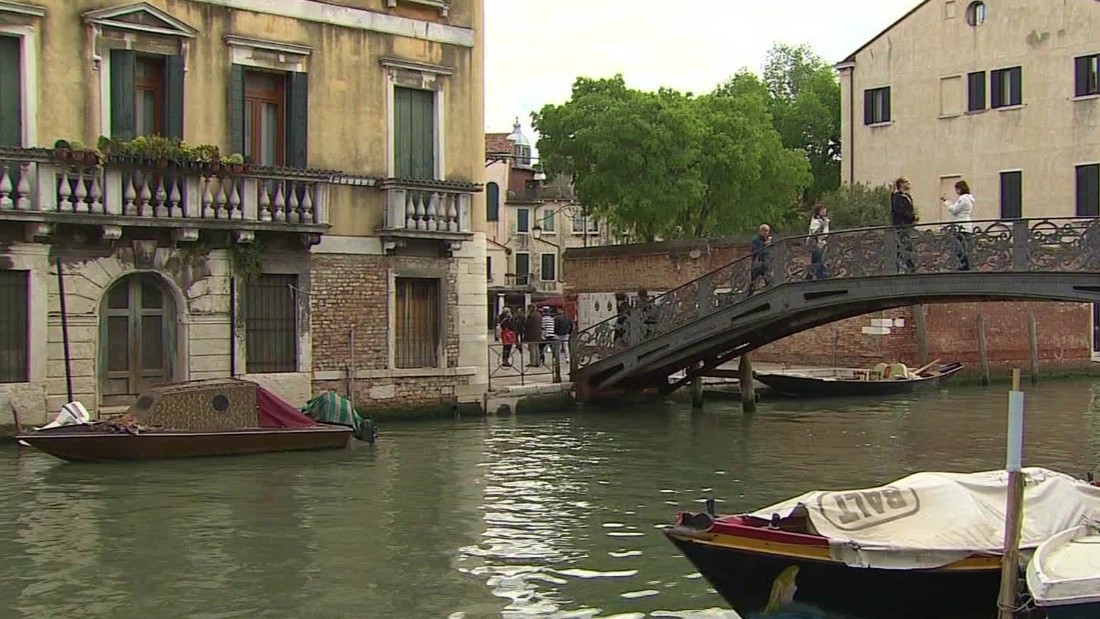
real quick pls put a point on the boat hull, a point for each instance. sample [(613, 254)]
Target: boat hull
[(81, 444), (810, 387), (1074, 611), (744, 578)]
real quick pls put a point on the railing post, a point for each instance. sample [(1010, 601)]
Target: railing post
[(395, 208), (1021, 234), (46, 187), (250, 199), (778, 266), (892, 258), (464, 202)]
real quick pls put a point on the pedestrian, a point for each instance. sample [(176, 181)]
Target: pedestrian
[(549, 342), (960, 213), (508, 339), (532, 335), (903, 217), (563, 328), (647, 313), (819, 232), (761, 257)]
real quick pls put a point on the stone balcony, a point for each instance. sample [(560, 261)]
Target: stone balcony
[(41, 191), (426, 211)]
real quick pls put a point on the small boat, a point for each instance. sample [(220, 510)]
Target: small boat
[(184, 420), (1064, 574), (882, 380), (890, 551)]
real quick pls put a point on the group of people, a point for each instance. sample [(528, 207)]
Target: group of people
[(903, 218), (543, 331)]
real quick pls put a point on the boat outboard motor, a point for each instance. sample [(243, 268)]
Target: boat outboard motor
[(710, 506)]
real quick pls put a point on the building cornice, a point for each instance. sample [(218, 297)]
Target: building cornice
[(270, 46), (411, 65), (357, 19), (22, 9)]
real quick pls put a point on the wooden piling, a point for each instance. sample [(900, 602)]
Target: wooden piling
[(1033, 344), (1007, 601), (697, 387), (922, 334), (748, 387), (983, 355)]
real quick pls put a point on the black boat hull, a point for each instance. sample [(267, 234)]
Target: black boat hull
[(744, 579), (1075, 611), (809, 387)]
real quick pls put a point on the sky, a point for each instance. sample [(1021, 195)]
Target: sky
[(535, 49)]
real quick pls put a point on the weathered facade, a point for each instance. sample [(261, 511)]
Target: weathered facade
[(264, 262), (1002, 94)]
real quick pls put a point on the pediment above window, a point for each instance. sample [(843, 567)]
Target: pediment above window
[(444, 6), (19, 8), (140, 17)]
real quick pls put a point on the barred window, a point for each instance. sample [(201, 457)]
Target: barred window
[(271, 324), (13, 326), (418, 323)]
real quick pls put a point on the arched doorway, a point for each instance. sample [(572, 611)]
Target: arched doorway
[(137, 329)]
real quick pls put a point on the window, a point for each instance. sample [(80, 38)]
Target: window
[(1005, 87), (146, 95), (1088, 190), (548, 220), (549, 271), (418, 323), (578, 223), (975, 14), (976, 91), (271, 324), (951, 96), (949, 9), (492, 202), (489, 268), (270, 116), (1086, 76), (876, 106), (11, 95), (13, 326), (523, 220), (523, 268), (1012, 195), (414, 133)]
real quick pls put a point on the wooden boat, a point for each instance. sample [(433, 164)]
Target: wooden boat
[(1064, 574), (834, 382), (892, 551), (192, 419)]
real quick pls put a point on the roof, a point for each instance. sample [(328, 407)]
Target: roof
[(852, 57), (497, 144)]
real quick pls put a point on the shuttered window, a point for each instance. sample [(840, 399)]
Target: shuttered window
[(11, 92), (13, 326), (876, 106), (523, 268), (1088, 190), (271, 324), (1012, 195), (414, 133), (269, 117), (1006, 87), (492, 202), (146, 95), (975, 87), (1086, 75), (523, 220), (549, 266), (418, 323)]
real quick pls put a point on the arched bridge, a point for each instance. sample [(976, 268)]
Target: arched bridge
[(779, 292)]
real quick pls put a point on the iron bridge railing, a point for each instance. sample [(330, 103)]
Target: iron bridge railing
[(1054, 245)]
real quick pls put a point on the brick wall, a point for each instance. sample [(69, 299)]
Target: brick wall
[(654, 266)]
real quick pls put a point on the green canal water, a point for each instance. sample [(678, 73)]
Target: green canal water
[(551, 515)]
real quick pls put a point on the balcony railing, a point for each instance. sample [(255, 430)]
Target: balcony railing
[(35, 186), (428, 209)]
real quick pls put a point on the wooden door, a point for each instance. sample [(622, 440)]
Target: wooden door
[(137, 323)]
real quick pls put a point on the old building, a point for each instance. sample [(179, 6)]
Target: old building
[(320, 225)]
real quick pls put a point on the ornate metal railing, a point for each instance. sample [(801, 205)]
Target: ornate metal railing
[(1022, 245)]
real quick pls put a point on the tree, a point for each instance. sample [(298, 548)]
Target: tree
[(858, 206), (670, 164)]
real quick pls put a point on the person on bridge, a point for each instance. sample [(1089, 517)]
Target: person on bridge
[(761, 257), (819, 232), (903, 217), (960, 211)]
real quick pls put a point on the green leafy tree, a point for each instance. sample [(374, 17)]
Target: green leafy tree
[(858, 206), (671, 164)]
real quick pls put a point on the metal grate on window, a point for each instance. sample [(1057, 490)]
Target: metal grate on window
[(418, 323), (13, 326), (271, 324)]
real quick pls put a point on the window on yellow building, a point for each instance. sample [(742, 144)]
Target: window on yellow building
[(1012, 189), (1006, 87), (269, 122), (975, 91), (876, 105), (414, 133), (11, 95), (14, 288), (1087, 75), (1088, 190), (146, 95), (418, 324)]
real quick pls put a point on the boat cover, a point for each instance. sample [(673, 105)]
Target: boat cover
[(329, 407), (928, 520), (275, 413)]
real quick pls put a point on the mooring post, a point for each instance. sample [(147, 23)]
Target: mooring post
[(1033, 343), (697, 386), (983, 357), (1010, 562), (748, 388), (922, 334)]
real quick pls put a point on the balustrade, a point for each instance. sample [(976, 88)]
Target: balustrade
[(417, 207)]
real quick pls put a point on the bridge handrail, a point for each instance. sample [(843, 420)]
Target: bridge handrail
[(1005, 244)]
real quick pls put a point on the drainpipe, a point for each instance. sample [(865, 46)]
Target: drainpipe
[(849, 66), (232, 326)]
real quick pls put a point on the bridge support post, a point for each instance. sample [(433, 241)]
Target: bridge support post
[(983, 355), (748, 387), (697, 387), (1033, 344)]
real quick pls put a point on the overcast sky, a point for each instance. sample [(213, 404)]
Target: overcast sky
[(536, 48)]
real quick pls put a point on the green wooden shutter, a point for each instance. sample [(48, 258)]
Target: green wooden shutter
[(173, 97), (1011, 195), (11, 95), (492, 202), (236, 109), (414, 133), (122, 94), (297, 120), (1016, 86)]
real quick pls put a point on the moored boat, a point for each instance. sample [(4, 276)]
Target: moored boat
[(883, 380), (1064, 574), (901, 550), (191, 419)]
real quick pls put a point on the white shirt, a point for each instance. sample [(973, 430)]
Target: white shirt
[(960, 211), (819, 228)]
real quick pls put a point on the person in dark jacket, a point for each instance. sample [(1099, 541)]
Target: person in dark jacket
[(532, 334), (761, 257), (563, 327), (903, 217)]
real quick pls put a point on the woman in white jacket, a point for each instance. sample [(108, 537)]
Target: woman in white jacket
[(960, 215)]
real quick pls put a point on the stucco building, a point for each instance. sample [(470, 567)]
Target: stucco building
[(334, 240), (1002, 93)]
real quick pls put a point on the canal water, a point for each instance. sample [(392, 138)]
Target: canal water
[(552, 515)]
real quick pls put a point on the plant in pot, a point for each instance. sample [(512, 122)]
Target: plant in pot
[(235, 163), (62, 150), (205, 157)]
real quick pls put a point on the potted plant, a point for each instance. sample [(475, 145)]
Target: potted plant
[(235, 163), (62, 150)]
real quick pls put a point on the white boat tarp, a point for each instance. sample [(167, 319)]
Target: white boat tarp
[(928, 520)]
